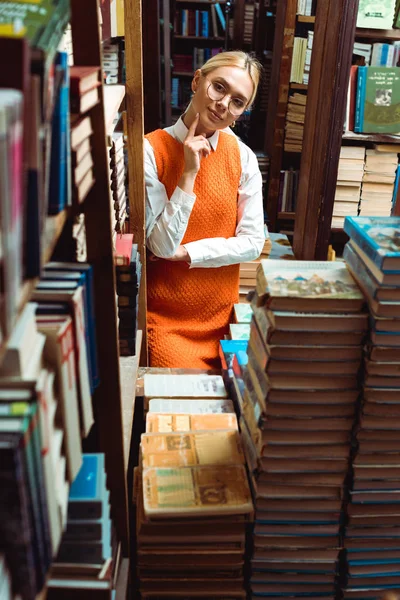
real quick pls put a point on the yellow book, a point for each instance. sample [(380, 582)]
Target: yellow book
[(168, 423), (190, 449), (201, 491)]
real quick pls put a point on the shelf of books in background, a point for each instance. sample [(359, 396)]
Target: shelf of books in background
[(368, 166), (49, 366), (291, 68)]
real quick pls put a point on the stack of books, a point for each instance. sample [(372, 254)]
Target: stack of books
[(263, 163), (305, 7), (85, 555), (297, 412), (301, 60), (348, 187), (193, 500), (117, 182), (288, 187), (128, 274), (249, 12), (111, 66), (294, 127), (372, 537), (378, 182)]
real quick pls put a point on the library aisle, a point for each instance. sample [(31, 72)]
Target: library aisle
[(276, 473)]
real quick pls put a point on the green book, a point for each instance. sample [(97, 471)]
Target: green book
[(243, 313), (376, 15), (382, 100)]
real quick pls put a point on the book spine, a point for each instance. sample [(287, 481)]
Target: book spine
[(58, 161), (221, 15), (357, 235), (360, 272), (361, 84)]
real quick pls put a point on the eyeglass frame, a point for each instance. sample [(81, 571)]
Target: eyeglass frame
[(224, 96)]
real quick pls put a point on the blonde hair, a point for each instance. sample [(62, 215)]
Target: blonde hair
[(236, 58)]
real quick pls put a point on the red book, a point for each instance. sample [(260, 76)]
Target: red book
[(83, 79)]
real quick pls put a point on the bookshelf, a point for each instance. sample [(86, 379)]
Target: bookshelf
[(112, 403)]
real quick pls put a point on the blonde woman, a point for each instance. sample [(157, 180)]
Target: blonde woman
[(204, 215)]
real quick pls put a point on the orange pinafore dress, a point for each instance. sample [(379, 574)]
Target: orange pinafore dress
[(189, 309)]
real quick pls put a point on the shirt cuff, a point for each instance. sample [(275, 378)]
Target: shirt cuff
[(196, 256), (181, 198)]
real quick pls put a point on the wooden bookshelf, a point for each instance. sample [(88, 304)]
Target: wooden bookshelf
[(379, 138), (53, 228), (378, 34), (286, 216), (113, 98), (200, 38), (129, 366), (299, 86), (306, 18), (181, 74)]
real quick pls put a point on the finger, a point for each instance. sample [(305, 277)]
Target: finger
[(192, 128)]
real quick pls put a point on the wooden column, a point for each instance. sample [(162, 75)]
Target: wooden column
[(326, 104), (107, 397), (166, 35), (151, 64), (278, 99), (135, 121)]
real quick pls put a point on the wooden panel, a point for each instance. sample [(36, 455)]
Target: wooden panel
[(107, 397), (151, 65), (135, 120), (238, 26), (277, 106), (327, 94), (378, 34), (166, 34)]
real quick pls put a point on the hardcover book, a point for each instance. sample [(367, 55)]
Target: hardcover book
[(171, 422), (308, 286), (184, 386), (187, 406), (186, 491), (376, 15), (378, 238), (380, 100)]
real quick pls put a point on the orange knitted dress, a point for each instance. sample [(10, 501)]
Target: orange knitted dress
[(189, 309)]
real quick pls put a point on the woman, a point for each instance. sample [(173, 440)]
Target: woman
[(204, 215)]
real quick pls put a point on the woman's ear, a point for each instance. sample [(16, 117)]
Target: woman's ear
[(196, 81)]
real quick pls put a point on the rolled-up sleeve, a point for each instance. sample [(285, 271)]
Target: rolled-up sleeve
[(166, 220)]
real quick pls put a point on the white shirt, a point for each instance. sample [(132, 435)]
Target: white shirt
[(166, 221)]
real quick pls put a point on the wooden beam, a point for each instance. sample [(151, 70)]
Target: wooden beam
[(326, 104), (107, 397), (278, 99), (135, 123), (151, 65)]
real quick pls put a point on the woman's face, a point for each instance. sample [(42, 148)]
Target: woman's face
[(214, 114)]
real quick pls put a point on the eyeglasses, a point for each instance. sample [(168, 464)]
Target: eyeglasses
[(217, 92)]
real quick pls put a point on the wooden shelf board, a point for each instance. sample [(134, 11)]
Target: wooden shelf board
[(383, 138), (113, 97), (128, 366), (289, 216), (203, 1), (199, 37), (378, 34), (181, 74), (299, 86), (306, 18)]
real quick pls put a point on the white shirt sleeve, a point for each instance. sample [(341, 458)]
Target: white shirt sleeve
[(249, 235), (166, 221)]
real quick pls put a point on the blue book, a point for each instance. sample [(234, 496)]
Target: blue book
[(360, 99), (379, 238), (396, 186), (88, 498), (197, 21), (88, 294), (372, 289), (204, 23), (58, 186), (384, 55), (221, 15)]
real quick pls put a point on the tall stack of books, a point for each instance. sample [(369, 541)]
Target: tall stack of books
[(117, 182), (193, 500), (298, 405), (128, 274), (379, 181), (348, 187), (372, 537), (84, 558), (294, 127)]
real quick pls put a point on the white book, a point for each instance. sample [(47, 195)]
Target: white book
[(187, 406), (21, 344), (184, 386)]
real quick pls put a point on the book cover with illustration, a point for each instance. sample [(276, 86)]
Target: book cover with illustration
[(378, 237), (202, 491), (381, 102), (376, 15), (302, 285)]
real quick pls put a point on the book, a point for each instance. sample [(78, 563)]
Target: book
[(380, 98), (202, 491), (191, 449), (188, 406), (83, 79), (87, 497), (307, 286), (378, 238), (171, 422), (184, 386), (379, 16)]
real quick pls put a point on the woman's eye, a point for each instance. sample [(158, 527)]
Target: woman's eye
[(238, 103), (219, 87)]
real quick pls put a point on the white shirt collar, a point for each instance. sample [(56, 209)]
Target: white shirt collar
[(180, 132)]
